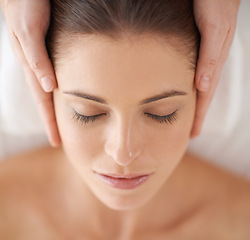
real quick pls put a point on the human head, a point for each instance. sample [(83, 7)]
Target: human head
[(117, 54)]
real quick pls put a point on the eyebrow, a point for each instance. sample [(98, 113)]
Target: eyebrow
[(163, 95), (155, 98), (87, 96)]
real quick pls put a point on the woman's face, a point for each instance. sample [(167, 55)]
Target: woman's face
[(124, 110)]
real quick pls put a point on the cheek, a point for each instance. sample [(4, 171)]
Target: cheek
[(170, 142), (169, 146), (80, 142)]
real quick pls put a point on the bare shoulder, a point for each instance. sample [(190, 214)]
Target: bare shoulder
[(34, 156), (28, 165), (18, 172), (21, 182), (227, 199), (217, 176)]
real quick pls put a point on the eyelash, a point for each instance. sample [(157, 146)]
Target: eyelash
[(86, 119), (170, 118)]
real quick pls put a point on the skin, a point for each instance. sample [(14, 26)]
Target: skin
[(127, 138), (216, 21), (55, 190)]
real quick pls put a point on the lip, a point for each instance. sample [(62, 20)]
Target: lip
[(125, 182)]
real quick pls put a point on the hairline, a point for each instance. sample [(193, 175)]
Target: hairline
[(175, 42)]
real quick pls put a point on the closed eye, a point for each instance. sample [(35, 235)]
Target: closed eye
[(86, 119), (170, 118), (83, 119)]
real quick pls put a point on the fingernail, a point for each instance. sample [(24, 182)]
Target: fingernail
[(205, 83), (47, 84)]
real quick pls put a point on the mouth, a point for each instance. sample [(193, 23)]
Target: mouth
[(125, 182)]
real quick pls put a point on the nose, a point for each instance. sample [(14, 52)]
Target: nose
[(124, 142)]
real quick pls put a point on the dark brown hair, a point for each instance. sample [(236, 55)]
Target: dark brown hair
[(171, 19)]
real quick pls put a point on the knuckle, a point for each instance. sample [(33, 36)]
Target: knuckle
[(211, 25), (27, 30), (34, 63), (21, 35), (220, 28), (212, 62)]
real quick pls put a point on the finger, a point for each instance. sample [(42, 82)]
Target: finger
[(204, 98), (212, 42), (46, 110), (35, 52), (43, 100), (18, 51), (202, 105), (45, 106)]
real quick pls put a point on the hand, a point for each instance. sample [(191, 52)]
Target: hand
[(27, 23), (216, 21)]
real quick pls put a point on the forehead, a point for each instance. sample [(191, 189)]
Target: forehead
[(102, 64)]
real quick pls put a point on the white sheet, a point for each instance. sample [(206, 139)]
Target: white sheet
[(225, 139)]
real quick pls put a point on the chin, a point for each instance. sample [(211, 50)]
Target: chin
[(124, 201), (124, 204)]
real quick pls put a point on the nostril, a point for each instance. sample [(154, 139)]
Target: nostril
[(122, 143), (122, 156)]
